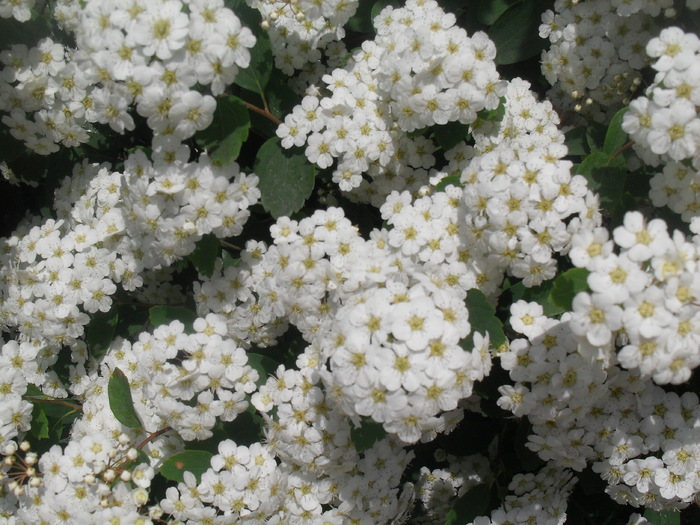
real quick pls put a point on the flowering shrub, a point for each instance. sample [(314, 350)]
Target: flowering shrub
[(350, 262)]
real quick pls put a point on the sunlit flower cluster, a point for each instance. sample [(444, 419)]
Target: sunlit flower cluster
[(664, 124), (143, 54), (419, 71), (597, 52), (300, 30), (57, 271)]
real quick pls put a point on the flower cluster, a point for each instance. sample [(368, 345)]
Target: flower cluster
[(57, 272), (437, 488), (664, 124), (641, 439), (597, 52), (645, 297), (419, 71), (301, 29), (536, 498), (128, 53)]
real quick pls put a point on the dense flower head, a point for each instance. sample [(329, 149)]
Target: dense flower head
[(127, 53)]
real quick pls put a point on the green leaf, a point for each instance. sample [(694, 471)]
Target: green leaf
[(595, 135), (451, 134), (538, 294), (227, 132), (280, 98), (615, 137), (494, 114), (159, 315), (100, 332), (516, 32), (667, 517), (361, 20), (488, 11), (195, 461), (120, 401), (482, 317), (265, 366), (576, 141), (472, 504), (255, 77), (205, 253), (40, 423), (454, 180), (606, 175), (567, 285), (367, 434), (286, 178)]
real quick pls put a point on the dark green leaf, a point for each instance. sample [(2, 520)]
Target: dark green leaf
[(576, 142), (195, 461), (494, 114), (100, 332), (286, 178), (204, 255), (451, 134), (482, 317), (367, 434), (488, 11), (40, 423), (605, 175), (159, 315), (538, 294), (453, 180), (361, 20), (265, 366), (516, 32), (472, 504), (595, 136), (227, 132), (254, 78), (120, 401), (280, 98), (667, 517), (567, 285), (615, 137)]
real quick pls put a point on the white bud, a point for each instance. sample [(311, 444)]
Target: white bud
[(104, 503), (274, 16), (10, 448), (109, 475), (123, 439), (300, 17), (35, 482), (265, 25), (31, 458), (125, 476), (25, 446), (140, 496), (89, 479), (132, 454)]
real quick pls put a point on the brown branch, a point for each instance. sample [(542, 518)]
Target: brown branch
[(264, 112), (622, 149), (229, 245), (153, 436), (34, 399)]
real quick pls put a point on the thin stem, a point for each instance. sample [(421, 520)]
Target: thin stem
[(153, 436), (264, 112), (232, 246), (61, 402), (622, 149)]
